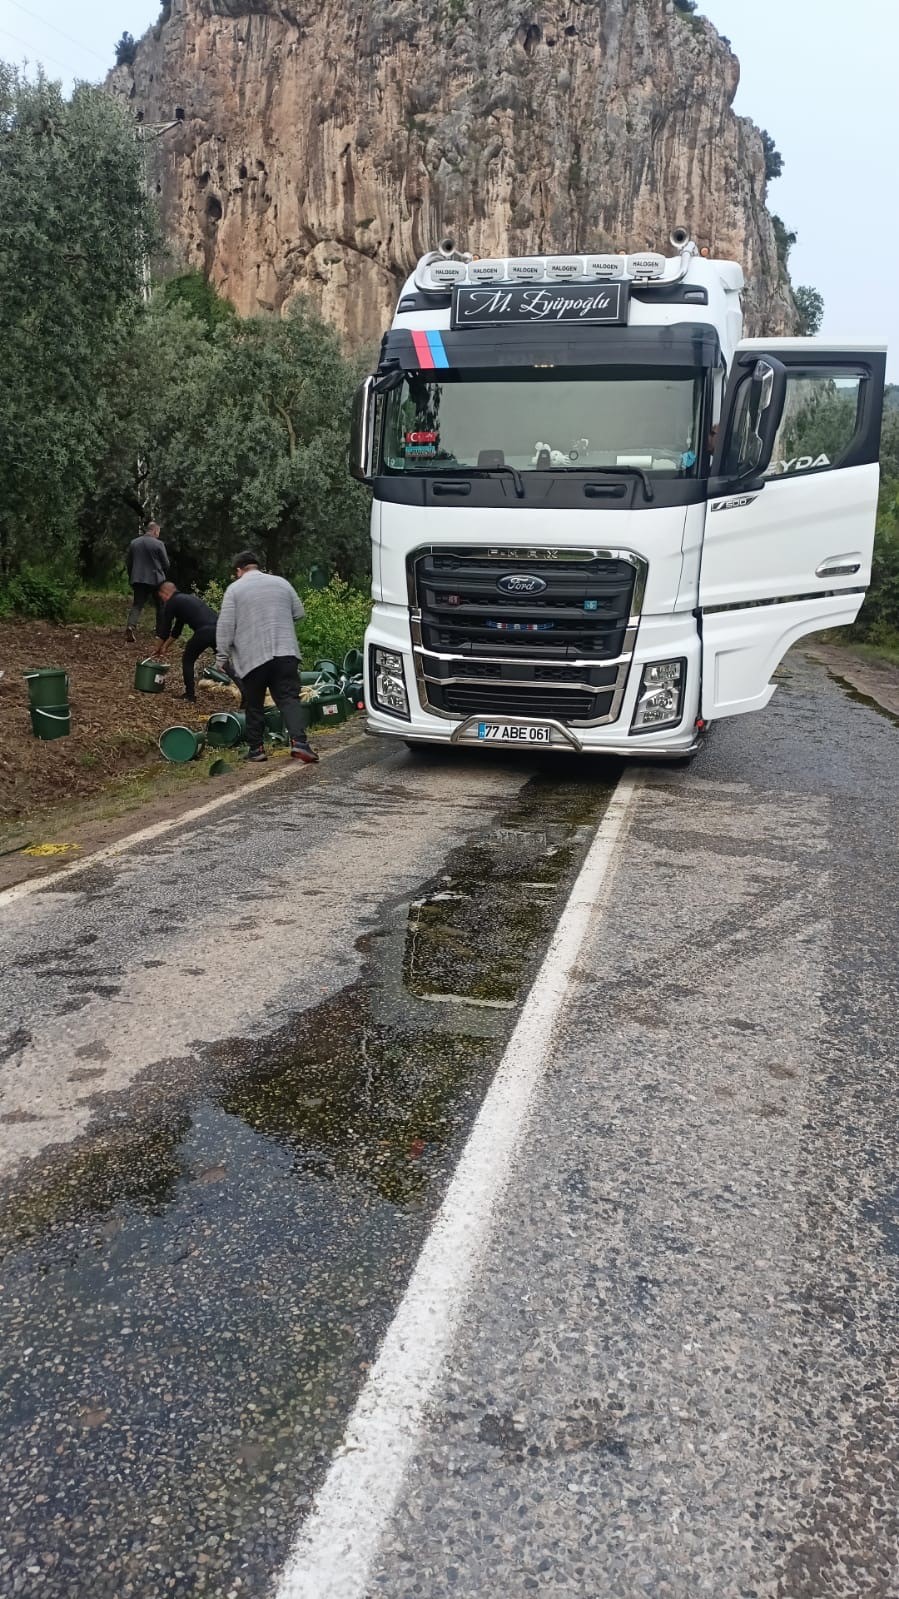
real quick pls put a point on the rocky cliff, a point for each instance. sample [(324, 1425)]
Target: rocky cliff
[(323, 145)]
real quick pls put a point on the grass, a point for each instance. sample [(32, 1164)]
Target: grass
[(145, 786), (99, 608), (883, 649), (876, 652)]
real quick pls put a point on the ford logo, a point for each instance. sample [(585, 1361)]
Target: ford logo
[(521, 583)]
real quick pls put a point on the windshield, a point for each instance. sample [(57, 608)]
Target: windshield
[(537, 420)]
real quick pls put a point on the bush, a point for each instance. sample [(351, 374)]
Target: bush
[(35, 595), (125, 50), (335, 621), (774, 161)]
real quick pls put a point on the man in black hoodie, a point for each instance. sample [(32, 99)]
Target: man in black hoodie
[(180, 609), (148, 566)]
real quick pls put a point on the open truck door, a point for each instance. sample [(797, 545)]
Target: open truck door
[(789, 531)]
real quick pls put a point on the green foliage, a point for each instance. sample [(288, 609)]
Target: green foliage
[(335, 621), (74, 229), (125, 50), (810, 305), (824, 422), (784, 239), (774, 161), (878, 622), (247, 443), (43, 596), (199, 298)]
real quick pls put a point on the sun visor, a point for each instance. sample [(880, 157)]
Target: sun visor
[(693, 345)]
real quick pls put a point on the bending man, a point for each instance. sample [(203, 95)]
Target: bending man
[(177, 611)]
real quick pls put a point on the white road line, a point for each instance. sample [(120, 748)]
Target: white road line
[(338, 1543), (8, 896)]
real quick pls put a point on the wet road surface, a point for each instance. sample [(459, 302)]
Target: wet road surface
[(240, 1066), (680, 1373)]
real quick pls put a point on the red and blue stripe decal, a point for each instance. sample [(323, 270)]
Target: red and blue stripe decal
[(429, 350)]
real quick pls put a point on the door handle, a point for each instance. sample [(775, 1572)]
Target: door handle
[(443, 490), (838, 566), (605, 491)]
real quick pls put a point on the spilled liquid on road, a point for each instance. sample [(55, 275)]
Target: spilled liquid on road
[(192, 1296)]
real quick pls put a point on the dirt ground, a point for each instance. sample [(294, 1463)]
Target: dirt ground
[(114, 729)]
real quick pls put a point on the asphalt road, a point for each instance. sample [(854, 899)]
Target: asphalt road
[(240, 1064)]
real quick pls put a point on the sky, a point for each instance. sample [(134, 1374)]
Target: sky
[(820, 75)]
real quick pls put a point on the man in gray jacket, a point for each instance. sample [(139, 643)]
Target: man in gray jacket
[(257, 632), (148, 566)]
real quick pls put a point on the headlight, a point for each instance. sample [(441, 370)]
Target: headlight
[(388, 682), (661, 696)]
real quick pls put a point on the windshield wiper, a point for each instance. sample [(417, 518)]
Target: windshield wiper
[(488, 471), (614, 471)]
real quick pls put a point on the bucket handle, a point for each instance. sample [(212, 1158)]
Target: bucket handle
[(39, 711), (28, 675), (152, 660)]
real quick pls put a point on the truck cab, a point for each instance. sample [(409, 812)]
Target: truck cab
[(600, 515)]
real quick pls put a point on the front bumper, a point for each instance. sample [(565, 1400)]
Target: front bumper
[(658, 638)]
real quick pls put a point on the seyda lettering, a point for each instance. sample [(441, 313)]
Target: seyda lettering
[(802, 463)]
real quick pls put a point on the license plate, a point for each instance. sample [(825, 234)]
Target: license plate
[(510, 733)]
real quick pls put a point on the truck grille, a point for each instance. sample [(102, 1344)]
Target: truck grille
[(483, 650)]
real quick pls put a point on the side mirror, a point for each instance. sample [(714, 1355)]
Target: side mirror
[(753, 410), (362, 432)]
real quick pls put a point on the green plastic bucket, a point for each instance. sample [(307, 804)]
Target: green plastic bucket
[(354, 693), (329, 706), (274, 721), (225, 729), (326, 669), (48, 686), (309, 679), (213, 674), (149, 676), (181, 744), (353, 663), (51, 721)]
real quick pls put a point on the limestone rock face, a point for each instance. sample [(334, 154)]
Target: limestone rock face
[(325, 144)]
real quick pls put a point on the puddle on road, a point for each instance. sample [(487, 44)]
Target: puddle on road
[(858, 698), (192, 1297)]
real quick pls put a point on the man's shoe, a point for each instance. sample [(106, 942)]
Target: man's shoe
[(130, 636), (301, 750), (257, 754)]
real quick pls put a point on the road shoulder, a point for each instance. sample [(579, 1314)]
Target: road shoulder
[(872, 679)]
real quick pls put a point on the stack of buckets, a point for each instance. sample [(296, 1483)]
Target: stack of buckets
[(48, 694)]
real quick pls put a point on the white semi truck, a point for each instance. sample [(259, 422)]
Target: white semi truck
[(601, 517)]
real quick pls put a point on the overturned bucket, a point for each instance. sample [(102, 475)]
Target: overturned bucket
[(353, 663), (50, 721), (354, 693), (274, 721), (181, 744), (326, 668), (149, 676), (224, 729), (48, 687)]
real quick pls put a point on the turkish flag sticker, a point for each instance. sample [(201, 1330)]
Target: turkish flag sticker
[(421, 438)]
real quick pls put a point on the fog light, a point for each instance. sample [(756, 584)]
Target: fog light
[(661, 696), (388, 682)]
